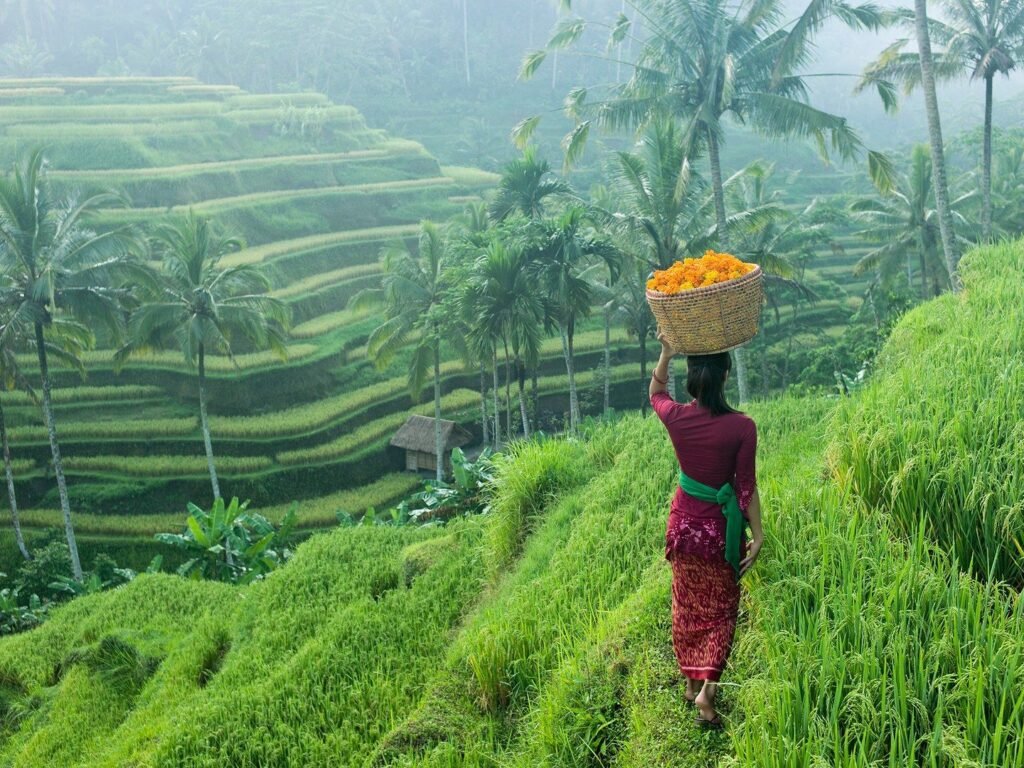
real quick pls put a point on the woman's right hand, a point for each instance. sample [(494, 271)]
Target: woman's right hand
[(753, 550)]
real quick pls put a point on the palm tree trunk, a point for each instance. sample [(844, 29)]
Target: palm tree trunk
[(58, 462), (722, 224), (438, 447), (924, 46), (494, 392), (484, 419), (986, 166), (465, 38), (521, 376), (607, 361), (534, 396), (10, 488), (205, 423), (643, 372), (508, 393), (567, 353), (671, 378)]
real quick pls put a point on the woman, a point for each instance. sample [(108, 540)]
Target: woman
[(716, 448)]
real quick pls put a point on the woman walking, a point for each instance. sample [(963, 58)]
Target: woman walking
[(705, 542)]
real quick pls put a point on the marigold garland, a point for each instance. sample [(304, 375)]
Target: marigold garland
[(711, 269)]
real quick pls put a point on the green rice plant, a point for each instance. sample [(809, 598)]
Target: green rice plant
[(109, 113), (871, 648), (86, 394), (271, 251), (320, 512), (63, 131), (189, 170), (205, 90), (220, 206), (308, 418), (264, 100), (29, 93), (131, 429), (332, 114), (324, 279), (326, 324), (164, 466), (99, 83), (166, 359), (377, 432), (932, 439), (470, 177)]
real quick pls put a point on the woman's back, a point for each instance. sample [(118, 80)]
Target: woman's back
[(714, 450)]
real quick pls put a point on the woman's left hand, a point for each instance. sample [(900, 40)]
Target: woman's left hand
[(666, 348), (753, 550)]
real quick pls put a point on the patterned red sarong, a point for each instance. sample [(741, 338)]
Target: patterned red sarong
[(705, 604)]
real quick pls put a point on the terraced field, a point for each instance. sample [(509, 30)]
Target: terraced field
[(316, 194)]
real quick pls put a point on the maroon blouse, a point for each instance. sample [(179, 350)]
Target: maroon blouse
[(713, 450)]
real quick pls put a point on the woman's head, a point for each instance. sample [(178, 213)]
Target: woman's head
[(705, 381)]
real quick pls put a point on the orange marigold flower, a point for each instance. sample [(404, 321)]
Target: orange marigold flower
[(711, 269)]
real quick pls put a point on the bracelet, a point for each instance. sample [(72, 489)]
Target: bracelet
[(655, 377)]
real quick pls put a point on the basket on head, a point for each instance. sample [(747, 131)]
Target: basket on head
[(717, 318)]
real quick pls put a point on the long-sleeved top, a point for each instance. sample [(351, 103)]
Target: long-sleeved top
[(713, 450)]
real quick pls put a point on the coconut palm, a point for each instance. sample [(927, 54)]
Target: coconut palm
[(56, 269), (525, 186), (412, 295), (202, 308), (950, 247), (560, 249), (982, 38), (905, 224), (706, 62), (503, 305)]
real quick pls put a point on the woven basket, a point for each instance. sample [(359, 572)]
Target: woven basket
[(717, 318)]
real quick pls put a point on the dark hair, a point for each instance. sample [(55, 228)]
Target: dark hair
[(705, 381)]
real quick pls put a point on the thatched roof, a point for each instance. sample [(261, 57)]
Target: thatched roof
[(417, 434)]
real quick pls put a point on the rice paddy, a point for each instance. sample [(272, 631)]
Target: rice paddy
[(539, 634)]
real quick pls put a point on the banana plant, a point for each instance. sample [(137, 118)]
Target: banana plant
[(231, 544)]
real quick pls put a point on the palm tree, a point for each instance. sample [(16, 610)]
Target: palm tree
[(203, 309), (924, 47), (560, 249), (505, 308), (526, 184), (982, 38), (55, 267), (625, 301), (904, 223), (706, 61), (412, 294)]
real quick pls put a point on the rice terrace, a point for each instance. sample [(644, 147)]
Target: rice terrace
[(566, 383)]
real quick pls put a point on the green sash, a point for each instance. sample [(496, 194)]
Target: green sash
[(734, 520)]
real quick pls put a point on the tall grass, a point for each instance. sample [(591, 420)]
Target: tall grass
[(937, 438)]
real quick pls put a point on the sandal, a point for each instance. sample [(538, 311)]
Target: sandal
[(709, 725)]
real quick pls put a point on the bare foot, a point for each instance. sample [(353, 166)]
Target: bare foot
[(706, 706), (692, 689)]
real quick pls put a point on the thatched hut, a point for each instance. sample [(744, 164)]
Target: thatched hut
[(416, 437)]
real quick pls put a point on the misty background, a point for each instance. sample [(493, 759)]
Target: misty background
[(440, 71)]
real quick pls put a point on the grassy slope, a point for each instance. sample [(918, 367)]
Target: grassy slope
[(538, 635)]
